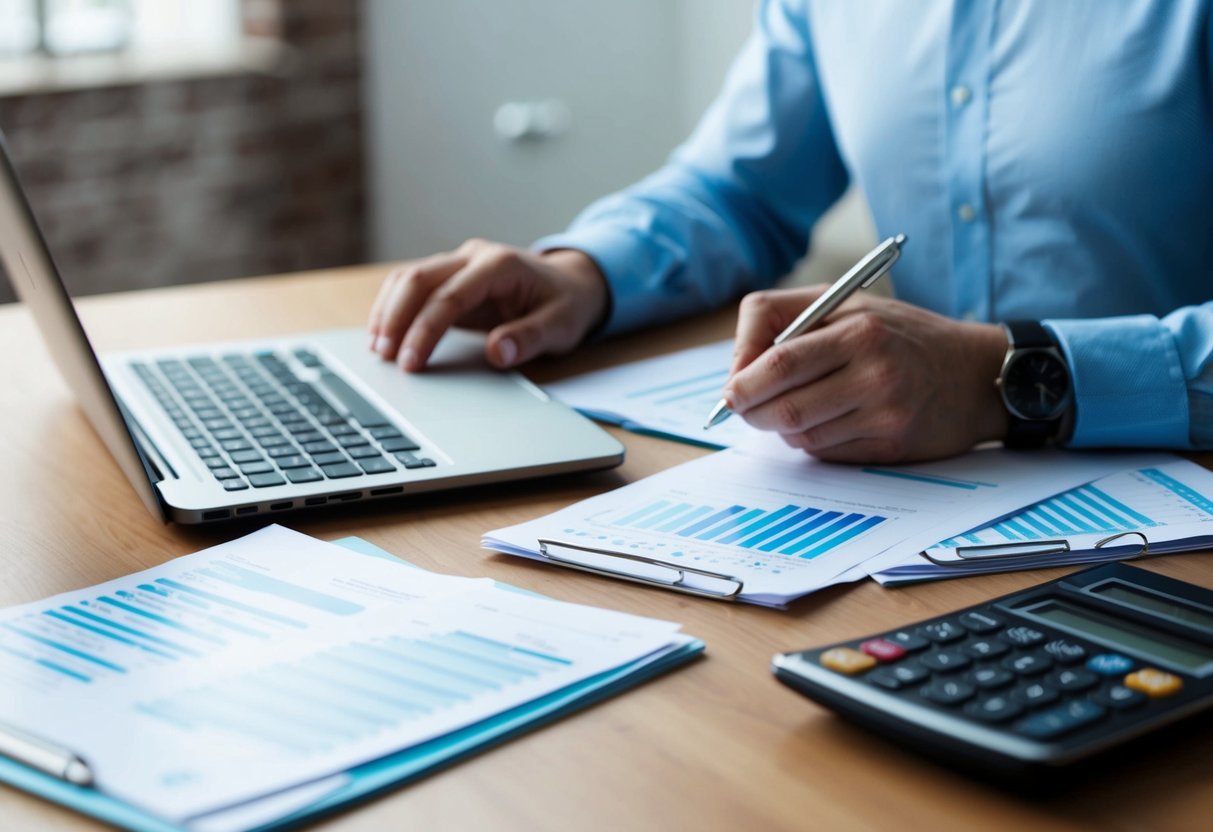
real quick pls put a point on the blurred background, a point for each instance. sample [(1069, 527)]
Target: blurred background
[(175, 141)]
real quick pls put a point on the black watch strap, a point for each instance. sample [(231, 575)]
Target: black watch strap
[(1029, 433)]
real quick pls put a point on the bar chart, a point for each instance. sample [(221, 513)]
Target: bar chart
[(351, 692), (1134, 500), (792, 530)]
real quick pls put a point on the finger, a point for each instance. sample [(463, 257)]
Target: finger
[(793, 364), (803, 409), (545, 329), (470, 286), (411, 288), (763, 315)]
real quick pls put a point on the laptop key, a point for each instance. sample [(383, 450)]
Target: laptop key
[(400, 443), (308, 474), (386, 432), (359, 408), (281, 451), (362, 452), (294, 461), (319, 447), (247, 455), (234, 485), (235, 445), (256, 468), (341, 470), (266, 480), (224, 473), (411, 461), (352, 441), (330, 458), (376, 465)]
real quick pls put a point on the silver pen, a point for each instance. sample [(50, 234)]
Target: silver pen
[(44, 756), (862, 275)]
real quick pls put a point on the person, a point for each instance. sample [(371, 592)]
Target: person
[(1050, 163)]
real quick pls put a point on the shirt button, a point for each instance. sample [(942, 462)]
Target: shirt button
[(966, 212), (961, 95)]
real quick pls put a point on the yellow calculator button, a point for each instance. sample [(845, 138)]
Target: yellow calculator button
[(1154, 683), (848, 661)]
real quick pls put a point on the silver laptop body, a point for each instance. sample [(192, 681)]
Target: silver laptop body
[(221, 431)]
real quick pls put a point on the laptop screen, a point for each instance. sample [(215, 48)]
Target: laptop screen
[(36, 281)]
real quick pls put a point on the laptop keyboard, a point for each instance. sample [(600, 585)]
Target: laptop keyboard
[(256, 423)]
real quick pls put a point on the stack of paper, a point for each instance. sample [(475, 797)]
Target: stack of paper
[(1148, 510), (232, 687), (782, 524)]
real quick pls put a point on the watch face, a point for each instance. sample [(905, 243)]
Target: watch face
[(1036, 385)]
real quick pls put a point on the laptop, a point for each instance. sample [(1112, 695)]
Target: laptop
[(225, 430)]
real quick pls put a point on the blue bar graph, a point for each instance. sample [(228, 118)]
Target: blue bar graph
[(346, 693), (1205, 504), (793, 530)]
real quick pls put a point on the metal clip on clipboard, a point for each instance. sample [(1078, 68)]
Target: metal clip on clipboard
[(1028, 549), (648, 571)]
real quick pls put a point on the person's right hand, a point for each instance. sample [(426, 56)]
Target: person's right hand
[(529, 303)]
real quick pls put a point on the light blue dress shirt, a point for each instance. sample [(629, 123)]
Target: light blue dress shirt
[(1048, 159)]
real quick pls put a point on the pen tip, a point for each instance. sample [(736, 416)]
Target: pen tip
[(901, 239)]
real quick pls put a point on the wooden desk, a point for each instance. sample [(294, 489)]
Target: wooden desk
[(716, 745)]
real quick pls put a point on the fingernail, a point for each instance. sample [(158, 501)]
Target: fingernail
[(382, 343), (507, 350), (408, 358)]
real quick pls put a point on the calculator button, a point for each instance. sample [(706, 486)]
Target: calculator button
[(948, 691), (882, 650), (1064, 651), (997, 708), (906, 673), (846, 660), (907, 640), (1022, 636), (1060, 719), (1028, 664), (945, 660), (1154, 683), (889, 681), (1071, 680), (980, 622), (1118, 696), (985, 649), (941, 632), (989, 677), (1110, 664), (1034, 694)]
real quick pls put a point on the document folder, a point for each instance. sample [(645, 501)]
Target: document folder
[(388, 772)]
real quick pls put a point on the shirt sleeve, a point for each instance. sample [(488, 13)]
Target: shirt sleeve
[(1142, 381), (732, 209)]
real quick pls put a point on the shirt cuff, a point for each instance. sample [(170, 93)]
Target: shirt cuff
[(638, 296), (1129, 387)]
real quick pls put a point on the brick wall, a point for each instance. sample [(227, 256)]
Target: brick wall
[(204, 179)]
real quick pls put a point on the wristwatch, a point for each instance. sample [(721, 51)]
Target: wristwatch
[(1035, 385)]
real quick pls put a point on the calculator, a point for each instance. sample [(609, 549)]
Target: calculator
[(1030, 684)]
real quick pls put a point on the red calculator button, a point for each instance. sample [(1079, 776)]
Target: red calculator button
[(885, 651)]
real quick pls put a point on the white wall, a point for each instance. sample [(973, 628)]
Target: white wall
[(634, 75)]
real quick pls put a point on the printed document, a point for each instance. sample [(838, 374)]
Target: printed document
[(785, 524)]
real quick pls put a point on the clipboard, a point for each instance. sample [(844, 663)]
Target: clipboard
[(394, 770)]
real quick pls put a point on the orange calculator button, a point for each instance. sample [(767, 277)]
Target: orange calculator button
[(848, 661), (1154, 683)]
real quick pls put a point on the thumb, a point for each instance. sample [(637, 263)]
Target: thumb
[(518, 341)]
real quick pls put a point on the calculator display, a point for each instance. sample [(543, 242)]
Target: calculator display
[(1135, 638), (1150, 602)]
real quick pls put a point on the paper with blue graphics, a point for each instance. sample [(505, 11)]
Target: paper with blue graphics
[(278, 660), (786, 524), (1171, 504), (670, 395)]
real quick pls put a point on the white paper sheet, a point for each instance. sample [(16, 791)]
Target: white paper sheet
[(1170, 504), (277, 660), (786, 524), (669, 395)]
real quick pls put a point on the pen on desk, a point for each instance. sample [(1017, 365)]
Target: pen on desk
[(44, 756), (862, 275)]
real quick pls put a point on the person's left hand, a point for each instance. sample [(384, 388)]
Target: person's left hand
[(878, 381)]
